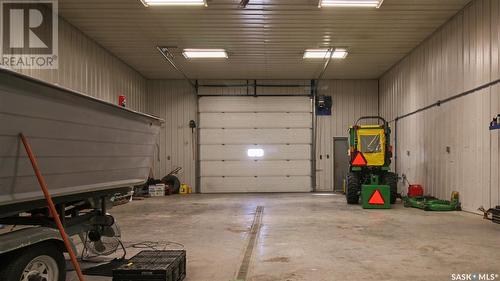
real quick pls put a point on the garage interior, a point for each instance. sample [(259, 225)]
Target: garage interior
[(259, 132)]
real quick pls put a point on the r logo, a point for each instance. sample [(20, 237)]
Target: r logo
[(27, 28)]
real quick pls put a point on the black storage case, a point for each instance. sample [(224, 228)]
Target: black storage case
[(168, 265), (495, 214)]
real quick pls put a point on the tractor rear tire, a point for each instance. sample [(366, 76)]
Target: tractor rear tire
[(391, 179), (353, 188)]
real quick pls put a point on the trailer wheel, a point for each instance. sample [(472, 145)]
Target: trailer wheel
[(353, 188), (40, 262), (391, 179)]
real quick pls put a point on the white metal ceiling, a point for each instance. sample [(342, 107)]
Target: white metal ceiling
[(265, 41)]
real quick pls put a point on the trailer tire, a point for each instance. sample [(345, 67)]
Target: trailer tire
[(44, 258), (391, 179), (353, 188)]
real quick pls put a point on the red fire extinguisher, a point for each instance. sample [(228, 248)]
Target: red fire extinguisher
[(122, 101)]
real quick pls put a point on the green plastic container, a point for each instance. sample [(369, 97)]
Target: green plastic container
[(376, 196)]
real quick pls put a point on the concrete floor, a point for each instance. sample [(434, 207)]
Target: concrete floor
[(312, 237)]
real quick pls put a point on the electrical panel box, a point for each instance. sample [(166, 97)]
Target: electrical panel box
[(324, 105)]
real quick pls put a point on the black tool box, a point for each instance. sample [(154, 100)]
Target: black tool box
[(169, 265), (495, 214)]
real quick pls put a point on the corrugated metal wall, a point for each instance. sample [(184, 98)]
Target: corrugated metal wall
[(174, 101), (460, 56), (351, 100), (86, 67)]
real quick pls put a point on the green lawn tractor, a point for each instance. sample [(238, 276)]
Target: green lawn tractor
[(370, 157)]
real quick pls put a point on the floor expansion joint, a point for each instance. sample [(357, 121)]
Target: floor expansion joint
[(254, 233)]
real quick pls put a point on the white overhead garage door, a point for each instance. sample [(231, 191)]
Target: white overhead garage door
[(255, 144)]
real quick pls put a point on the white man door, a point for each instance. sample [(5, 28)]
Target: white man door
[(255, 144)]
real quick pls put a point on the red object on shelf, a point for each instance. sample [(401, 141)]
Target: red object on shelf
[(415, 190), (122, 100)]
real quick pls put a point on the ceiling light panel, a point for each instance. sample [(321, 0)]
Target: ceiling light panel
[(205, 54), (325, 53), (339, 54), (317, 53), (148, 3), (351, 3)]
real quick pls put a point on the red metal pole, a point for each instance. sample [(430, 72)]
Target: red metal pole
[(52, 207)]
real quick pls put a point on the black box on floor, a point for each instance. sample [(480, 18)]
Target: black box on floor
[(495, 214), (168, 265)]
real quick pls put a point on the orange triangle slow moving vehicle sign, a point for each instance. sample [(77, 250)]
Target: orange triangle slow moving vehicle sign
[(359, 160), (376, 198)]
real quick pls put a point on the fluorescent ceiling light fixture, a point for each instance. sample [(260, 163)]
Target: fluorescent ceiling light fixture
[(351, 3), (255, 152), (148, 3), (339, 54), (317, 53), (205, 53), (325, 53)]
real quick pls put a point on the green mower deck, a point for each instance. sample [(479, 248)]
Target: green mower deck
[(429, 203)]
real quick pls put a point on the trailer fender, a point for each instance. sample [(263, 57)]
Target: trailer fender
[(25, 237)]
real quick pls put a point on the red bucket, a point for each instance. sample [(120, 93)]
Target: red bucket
[(415, 190)]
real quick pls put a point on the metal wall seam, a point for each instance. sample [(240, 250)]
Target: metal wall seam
[(495, 100), (259, 87)]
